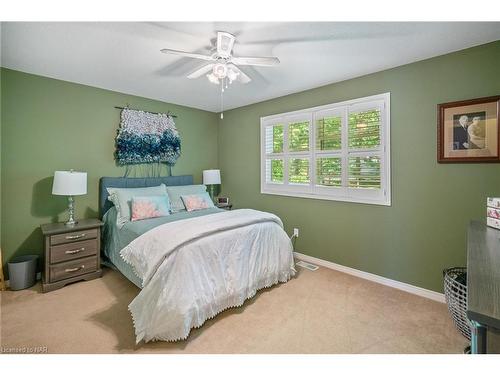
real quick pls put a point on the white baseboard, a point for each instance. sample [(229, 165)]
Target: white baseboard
[(435, 296), (38, 277), (439, 297)]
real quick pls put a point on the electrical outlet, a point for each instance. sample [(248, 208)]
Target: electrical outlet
[(295, 232)]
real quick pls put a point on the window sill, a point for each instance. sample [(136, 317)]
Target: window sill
[(385, 202)]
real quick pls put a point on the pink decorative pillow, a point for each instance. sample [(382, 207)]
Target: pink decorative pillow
[(149, 207), (196, 202)]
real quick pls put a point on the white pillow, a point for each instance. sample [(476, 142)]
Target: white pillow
[(175, 192)]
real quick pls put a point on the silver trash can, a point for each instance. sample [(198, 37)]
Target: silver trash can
[(22, 272)]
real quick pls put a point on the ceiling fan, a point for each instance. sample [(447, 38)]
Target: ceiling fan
[(222, 66)]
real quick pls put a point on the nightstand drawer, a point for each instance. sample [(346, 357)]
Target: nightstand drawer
[(73, 236), (73, 268), (70, 251)]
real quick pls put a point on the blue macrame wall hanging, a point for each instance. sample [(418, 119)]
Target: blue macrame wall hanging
[(145, 137)]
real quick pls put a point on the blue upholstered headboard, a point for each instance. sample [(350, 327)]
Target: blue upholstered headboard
[(135, 182)]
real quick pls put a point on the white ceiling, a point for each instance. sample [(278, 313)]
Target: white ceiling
[(126, 56)]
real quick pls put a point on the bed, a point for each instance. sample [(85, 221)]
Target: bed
[(190, 266)]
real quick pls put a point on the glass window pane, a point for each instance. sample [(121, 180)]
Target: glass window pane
[(364, 172), (329, 171), (277, 138), (274, 170), (277, 171), (299, 171), (328, 133), (298, 135), (274, 139), (364, 129)]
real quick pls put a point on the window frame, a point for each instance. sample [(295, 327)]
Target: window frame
[(380, 196)]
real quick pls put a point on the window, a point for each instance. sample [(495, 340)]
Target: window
[(338, 151)]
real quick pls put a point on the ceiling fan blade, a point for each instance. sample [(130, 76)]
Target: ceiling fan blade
[(225, 42), (258, 61), (242, 77), (186, 54), (200, 71)]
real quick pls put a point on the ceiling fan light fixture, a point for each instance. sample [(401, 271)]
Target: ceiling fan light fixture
[(212, 78), (220, 70), (232, 75)]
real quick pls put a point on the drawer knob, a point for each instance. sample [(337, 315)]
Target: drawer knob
[(75, 237), (75, 269), (74, 251)]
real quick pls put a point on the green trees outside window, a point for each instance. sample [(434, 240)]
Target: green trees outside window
[(278, 135), (328, 171), (364, 172), (299, 171), (277, 170), (363, 132), (328, 133), (298, 135), (364, 129)]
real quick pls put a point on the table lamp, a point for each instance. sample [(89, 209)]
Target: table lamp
[(211, 177), (70, 183)]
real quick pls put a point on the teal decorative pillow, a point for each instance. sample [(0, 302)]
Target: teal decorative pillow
[(175, 192), (149, 207), (196, 202), (122, 199)]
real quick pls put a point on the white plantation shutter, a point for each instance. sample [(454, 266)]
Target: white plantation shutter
[(274, 139), (274, 171), (364, 128), (338, 152), (298, 172), (364, 172), (328, 131), (365, 150), (329, 171), (274, 151), (298, 136)]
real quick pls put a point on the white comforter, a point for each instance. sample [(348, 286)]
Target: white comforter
[(195, 268)]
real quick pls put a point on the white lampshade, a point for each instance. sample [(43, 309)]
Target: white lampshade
[(69, 183), (211, 177)]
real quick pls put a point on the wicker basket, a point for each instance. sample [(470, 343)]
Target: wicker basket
[(455, 292)]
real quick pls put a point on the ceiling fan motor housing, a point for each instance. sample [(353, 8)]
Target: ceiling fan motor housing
[(225, 43)]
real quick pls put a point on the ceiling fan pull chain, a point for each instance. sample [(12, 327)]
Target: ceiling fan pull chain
[(222, 100)]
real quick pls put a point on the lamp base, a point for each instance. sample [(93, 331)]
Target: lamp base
[(71, 208), (212, 192), (71, 223)]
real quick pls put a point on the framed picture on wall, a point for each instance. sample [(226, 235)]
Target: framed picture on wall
[(468, 131)]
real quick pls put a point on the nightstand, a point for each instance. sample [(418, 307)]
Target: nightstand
[(71, 253), (228, 206)]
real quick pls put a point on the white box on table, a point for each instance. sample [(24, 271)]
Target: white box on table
[(494, 223), (493, 212), (493, 202)]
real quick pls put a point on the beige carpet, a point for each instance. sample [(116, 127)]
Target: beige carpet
[(317, 312)]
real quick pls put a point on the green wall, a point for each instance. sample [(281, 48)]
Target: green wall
[(424, 230), (50, 125), (1, 144)]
